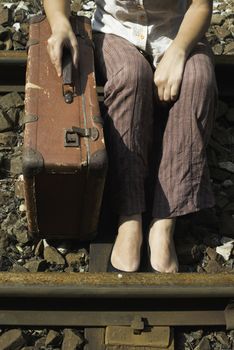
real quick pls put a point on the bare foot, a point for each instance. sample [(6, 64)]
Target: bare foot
[(162, 247), (126, 251)]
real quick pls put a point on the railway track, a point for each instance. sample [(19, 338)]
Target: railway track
[(13, 65), (118, 311)]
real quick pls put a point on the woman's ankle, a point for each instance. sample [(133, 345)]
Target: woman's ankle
[(130, 228)]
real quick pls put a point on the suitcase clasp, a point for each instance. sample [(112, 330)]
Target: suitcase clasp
[(72, 136)]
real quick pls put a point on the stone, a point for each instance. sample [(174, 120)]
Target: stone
[(11, 219), (21, 119), (39, 249), (1, 160), (8, 138), (63, 246), (51, 255), (22, 207), (217, 19), (218, 49), (74, 258), (18, 268), (197, 334), (223, 339), (24, 28), (12, 340), (69, 269), (8, 120), (36, 265), (222, 33), (3, 241), (213, 267), (40, 343), (53, 338), (227, 183), (211, 253), (71, 339), (76, 6), (8, 44), (5, 34), (11, 100), (20, 16), (5, 16), (19, 37), (231, 334), (225, 250), (5, 122), (22, 235), (18, 46), (19, 189), (189, 338), (16, 165), (204, 344), (229, 49), (229, 166), (13, 115)]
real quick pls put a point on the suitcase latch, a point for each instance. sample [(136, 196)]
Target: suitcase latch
[(72, 136)]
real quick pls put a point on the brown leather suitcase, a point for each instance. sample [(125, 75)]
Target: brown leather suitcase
[(64, 158)]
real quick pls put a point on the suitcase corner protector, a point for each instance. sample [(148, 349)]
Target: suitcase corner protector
[(33, 162), (98, 161)]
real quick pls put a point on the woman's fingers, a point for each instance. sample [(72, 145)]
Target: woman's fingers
[(169, 73), (175, 91), (55, 49), (167, 94), (74, 51), (58, 51), (167, 91)]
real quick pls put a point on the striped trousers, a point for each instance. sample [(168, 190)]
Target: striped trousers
[(146, 139)]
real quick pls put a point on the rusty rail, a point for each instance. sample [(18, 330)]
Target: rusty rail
[(102, 299), (13, 64), (126, 285)]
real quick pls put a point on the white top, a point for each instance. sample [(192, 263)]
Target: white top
[(150, 25)]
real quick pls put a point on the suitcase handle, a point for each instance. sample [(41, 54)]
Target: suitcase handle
[(68, 86)]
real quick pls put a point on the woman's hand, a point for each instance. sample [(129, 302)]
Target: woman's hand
[(62, 35), (169, 73)]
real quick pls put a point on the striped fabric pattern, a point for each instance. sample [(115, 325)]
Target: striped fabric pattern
[(145, 137)]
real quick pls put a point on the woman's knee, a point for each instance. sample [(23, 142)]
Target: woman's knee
[(199, 74), (137, 72)]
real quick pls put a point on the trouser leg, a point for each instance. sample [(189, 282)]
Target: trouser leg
[(128, 101), (183, 183)]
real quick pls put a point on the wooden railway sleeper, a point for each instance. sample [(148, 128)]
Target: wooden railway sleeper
[(124, 338)]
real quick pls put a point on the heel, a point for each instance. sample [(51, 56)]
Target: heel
[(150, 267), (111, 268)]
